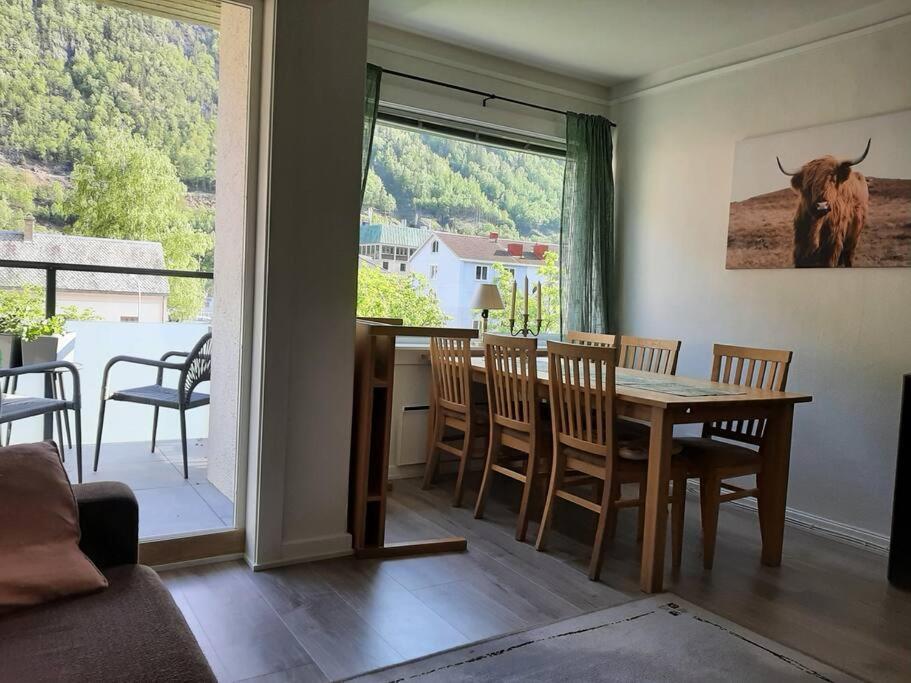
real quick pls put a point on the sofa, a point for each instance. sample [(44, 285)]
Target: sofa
[(130, 631)]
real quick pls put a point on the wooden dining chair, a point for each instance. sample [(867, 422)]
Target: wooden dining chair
[(515, 420), (648, 355), (586, 447), (714, 461), (591, 338), (453, 408)]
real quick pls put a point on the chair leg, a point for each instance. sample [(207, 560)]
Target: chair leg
[(78, 425), (100, 430), (154, 428), (612, 513), (709, 499), (556, 481), (183, 442), (531, 471), (493, 448), (594, 569), (640, 529), (60, 445), (433, 456), (66, 413), (464, 457), (678, 516)]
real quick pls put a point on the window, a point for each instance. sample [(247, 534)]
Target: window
[(129, 318), (425, 189)]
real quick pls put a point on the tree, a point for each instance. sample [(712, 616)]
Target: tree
[(125, 189), (549, 278), (408, 296)]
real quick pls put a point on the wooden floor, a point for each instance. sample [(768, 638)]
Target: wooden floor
[(336, 618)]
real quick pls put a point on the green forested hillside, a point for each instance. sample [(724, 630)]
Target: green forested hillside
[(76, 77)]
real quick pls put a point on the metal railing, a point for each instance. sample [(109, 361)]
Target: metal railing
[(51, 269)]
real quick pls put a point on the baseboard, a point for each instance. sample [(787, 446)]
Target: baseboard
[(309, 550), (406, 471), (821, 526)]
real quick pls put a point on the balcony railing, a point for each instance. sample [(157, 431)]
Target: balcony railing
[(51, 269)]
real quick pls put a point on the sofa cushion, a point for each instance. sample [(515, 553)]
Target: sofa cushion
[(132, 631), (40, 559)]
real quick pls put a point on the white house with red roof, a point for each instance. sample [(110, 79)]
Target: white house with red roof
[(456, 264)]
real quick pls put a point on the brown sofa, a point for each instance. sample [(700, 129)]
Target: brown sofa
[(131, 631)]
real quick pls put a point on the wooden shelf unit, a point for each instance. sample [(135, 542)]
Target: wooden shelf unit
[(374, 382)]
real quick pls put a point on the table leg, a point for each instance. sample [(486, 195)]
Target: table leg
[(773, 482), (656, 501)]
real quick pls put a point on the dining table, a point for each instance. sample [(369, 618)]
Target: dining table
[(663, 401)]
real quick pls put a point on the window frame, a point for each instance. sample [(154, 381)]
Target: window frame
[(478, 270)]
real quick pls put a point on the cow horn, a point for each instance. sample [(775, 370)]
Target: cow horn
[(782, 168), (863, 156)]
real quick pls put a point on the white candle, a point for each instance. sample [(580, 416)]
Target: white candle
[(512, 315), (540, 310), (526, 296)]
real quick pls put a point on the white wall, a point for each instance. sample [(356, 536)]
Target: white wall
[(313, 95), (850, 330), (111, 306)]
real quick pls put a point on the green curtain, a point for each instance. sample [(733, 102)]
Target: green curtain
[(587, 226), (371, 107)]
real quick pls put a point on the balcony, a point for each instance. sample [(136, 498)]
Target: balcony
[(169, 504)]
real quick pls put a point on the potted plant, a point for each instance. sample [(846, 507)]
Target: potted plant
[(45, 340)]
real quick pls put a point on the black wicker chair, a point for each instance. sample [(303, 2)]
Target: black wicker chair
[(194, 370), (14, 407)]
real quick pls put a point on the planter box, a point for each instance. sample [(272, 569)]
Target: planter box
[(10, 351), (47, 349)]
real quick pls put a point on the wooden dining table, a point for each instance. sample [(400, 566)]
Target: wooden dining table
[(649, 397)]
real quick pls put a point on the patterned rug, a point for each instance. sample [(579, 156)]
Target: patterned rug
[(660, 638)]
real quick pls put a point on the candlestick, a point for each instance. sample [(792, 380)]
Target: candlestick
[(540, 310), (512, 314)]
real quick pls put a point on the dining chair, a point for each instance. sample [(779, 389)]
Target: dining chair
[(712, 461), (194, 369), (14, 407), (586, 447), (453, 409), (591, 338), (515, 420), (648, 355)]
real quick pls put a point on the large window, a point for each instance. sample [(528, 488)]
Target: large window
[(461, 214)]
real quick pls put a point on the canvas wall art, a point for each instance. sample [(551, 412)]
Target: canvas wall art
[(830, 196)]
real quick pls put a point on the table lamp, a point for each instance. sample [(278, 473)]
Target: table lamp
[(487, 298)]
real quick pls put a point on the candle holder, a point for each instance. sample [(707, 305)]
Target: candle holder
[(525, 330)]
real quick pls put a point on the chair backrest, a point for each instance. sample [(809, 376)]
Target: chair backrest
[(512, 381), (197, 367), (450, 365), (744, 366), (591, 338), (649, 355), (582, 396)]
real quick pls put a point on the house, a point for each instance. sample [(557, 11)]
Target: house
[(112, 296), (455, 265), (390, 246)]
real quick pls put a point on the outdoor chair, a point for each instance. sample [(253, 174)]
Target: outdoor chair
[(194, 370), (14, 407)]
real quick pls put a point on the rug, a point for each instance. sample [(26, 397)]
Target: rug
[(660, 638)]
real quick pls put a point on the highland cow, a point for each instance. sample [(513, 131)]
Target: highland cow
[(831, 211)]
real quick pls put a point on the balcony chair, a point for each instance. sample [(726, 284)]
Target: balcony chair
[(13, 407), (194, 370)]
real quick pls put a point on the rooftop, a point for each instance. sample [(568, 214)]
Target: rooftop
[(395, 235), (95, 251), (483, 248)]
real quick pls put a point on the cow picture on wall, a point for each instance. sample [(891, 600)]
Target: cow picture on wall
[(831, 196)]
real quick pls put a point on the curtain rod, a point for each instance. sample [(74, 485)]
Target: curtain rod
[(488, 96)]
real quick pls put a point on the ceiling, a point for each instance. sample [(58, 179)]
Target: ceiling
[(614, 41)]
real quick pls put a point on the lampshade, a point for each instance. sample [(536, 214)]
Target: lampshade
[(487, 297)]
